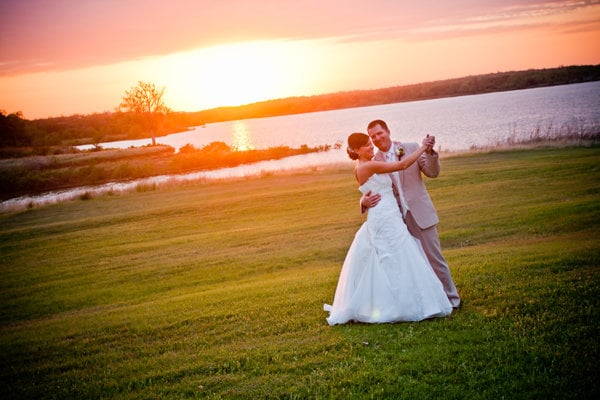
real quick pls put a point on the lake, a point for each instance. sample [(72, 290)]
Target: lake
[(459, 123)]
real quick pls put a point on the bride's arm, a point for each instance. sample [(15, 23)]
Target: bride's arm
[(400, 165), (408, 161), (366, 169)]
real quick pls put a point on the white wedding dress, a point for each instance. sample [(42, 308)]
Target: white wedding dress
[(386, 276)]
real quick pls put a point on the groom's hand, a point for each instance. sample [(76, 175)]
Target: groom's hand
[(370, 199)]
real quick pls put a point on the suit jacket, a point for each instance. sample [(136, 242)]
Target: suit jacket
[(413, 187)]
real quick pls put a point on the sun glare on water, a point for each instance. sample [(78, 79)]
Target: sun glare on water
[(238, 74), (241, 140)]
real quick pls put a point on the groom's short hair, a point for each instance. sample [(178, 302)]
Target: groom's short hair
[(378, 122)]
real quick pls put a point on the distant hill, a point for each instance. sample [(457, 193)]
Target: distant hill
[(497, 82)]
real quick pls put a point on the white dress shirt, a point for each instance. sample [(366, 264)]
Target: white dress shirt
[(391, 156)]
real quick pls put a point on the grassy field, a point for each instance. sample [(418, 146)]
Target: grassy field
[(216, 290)]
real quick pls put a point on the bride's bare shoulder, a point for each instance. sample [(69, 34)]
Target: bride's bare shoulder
[(363, 171)]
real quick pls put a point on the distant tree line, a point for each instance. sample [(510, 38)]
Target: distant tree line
[(47, 135), (497, 82)]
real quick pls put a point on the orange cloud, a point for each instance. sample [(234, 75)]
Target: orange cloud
[(37, 35)]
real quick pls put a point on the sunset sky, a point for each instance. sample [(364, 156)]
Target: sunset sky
[(64, 57)]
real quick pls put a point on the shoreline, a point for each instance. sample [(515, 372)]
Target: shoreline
[(287, 165), (292, 164)]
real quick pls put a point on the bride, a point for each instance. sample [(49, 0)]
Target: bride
[(385, 276)]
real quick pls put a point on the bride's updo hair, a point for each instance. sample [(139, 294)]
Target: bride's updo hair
[(356, 141)]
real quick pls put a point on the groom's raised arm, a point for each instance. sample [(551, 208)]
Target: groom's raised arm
[(430, 164)]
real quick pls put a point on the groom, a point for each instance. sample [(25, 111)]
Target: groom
[(414, 201)]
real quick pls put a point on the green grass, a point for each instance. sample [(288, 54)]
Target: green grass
[(216, 290)]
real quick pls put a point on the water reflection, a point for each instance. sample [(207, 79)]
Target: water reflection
[(241, 140)]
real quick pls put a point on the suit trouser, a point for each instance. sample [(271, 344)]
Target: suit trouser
[(430, 240)]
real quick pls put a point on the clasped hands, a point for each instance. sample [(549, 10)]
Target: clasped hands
[(429, 141)]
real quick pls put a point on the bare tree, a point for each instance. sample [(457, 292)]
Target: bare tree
[(146, 101)]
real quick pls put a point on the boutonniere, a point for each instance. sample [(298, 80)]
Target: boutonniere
[(399, 152)]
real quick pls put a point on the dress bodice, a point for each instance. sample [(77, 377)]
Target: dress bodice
[(377, 183), (388, 205)]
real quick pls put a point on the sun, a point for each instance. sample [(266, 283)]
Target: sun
[(240, 73)]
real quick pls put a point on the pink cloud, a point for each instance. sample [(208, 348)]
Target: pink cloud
[(38, 35)]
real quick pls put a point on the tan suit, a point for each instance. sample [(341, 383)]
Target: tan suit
[(421, 217)]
